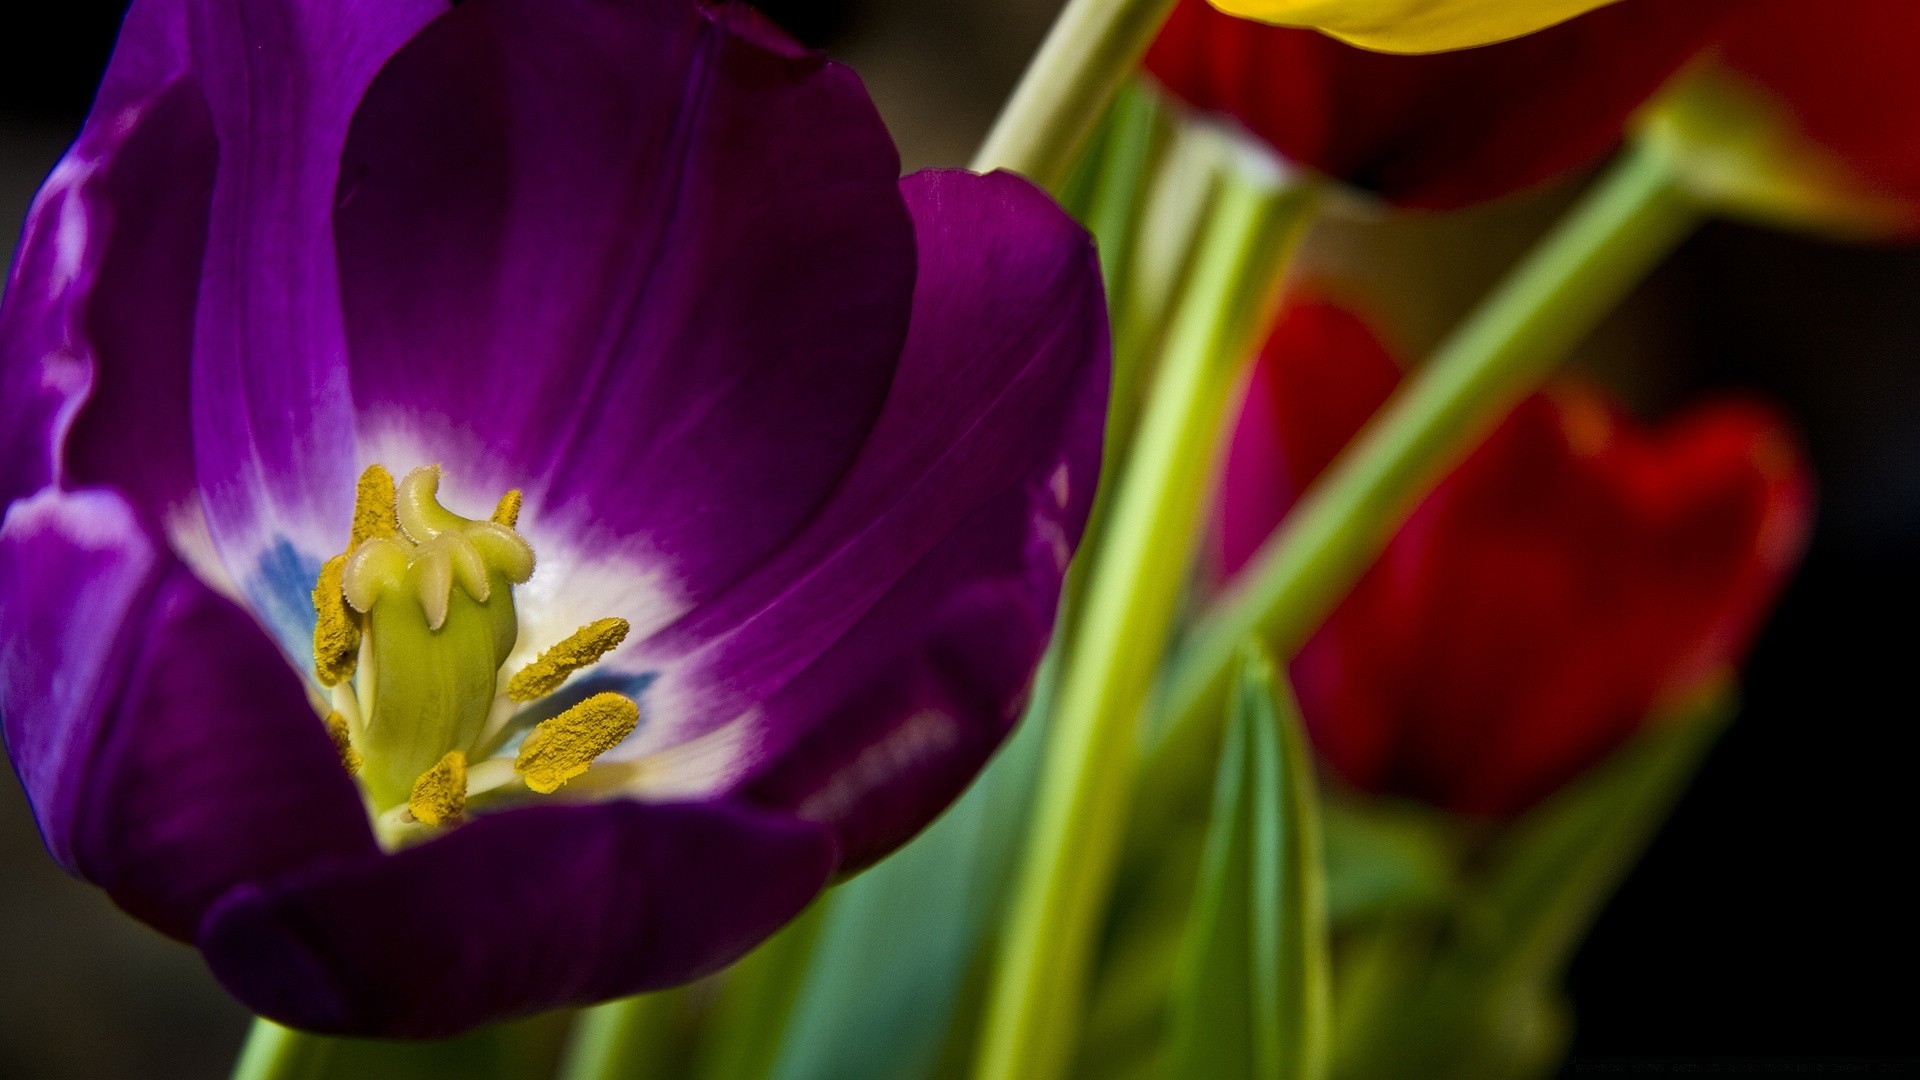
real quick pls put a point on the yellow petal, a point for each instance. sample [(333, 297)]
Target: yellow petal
[(1414, 26)]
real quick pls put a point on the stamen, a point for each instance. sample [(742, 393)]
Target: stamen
[(561, 748), (336, 635), (337, 730), (373, 509), (508, 512), (440, 795), (582, 647)]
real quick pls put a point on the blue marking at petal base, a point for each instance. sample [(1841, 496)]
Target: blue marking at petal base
[(280, 591), (611, 682)]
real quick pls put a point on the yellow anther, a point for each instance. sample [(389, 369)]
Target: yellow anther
[(342, 743), (507, 513), (336, 635), (581, 648), (373, 507), (561, 748), (440, 795)]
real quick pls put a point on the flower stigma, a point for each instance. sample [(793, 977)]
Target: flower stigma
[(414, 623)]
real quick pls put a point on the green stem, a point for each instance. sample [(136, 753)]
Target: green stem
[(273, 1052), (1137, 129), (1092, 49), (743, 1033), (1631, 220), (629, 1039), (1174, 207), (1132, 593)]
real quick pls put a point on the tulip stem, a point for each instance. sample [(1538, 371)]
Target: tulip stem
[(273, 1052), (1091, 51), (633, 1038), (1135, 582), (1625, 226)]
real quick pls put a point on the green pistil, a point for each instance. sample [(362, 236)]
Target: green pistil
[(414, 623), (436, 601)]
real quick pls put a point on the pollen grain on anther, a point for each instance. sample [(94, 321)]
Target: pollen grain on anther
[(343, 742), (373, 507), (580, 649), (561, 748), (507, 513), (336, 632), (440, 795)]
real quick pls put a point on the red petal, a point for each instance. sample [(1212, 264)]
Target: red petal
[(1442, 130)]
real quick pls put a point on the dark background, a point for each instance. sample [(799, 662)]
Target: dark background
[(1769, 917)]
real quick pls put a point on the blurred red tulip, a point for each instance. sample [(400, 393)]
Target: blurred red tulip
[(1812, 118), (1572, 574), (1443, 130)]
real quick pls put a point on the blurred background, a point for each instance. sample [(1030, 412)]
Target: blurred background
[(1768, 919)]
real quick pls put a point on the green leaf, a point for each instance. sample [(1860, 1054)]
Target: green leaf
[(1134, 133), (1252, 996), (1133, 594), (757, 999), (899, 945), (1556, 867), (524, 1050), (1485, 1004), (1386, 859), (896, 944), (645, 1037)]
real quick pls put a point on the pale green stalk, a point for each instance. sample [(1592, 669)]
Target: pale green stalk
[(628, 1039), (273, 1052), (1132, 592), (1093, 48), (1175, 203), (1625, 226)]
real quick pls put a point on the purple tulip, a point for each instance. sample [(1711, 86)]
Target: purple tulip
[(801, 448)]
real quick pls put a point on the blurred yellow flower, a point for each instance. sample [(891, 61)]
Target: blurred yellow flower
[(1413, 26)]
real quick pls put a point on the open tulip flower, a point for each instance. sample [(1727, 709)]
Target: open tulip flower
[(1808, 122), (505, 501), (1414, 26), (1573, 573), (1435, 132)]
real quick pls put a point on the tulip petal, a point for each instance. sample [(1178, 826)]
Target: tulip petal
[(1574, 572), (1443, 131), (167, 749), (146, 268), (1322, 375), (878, 659), (1626, 571), (647, 262), (99, 308), (1415, 26), (272, 421), (515, 913)]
